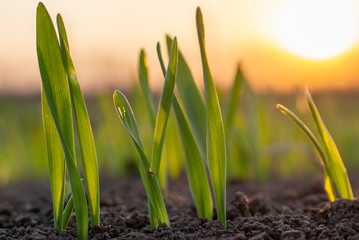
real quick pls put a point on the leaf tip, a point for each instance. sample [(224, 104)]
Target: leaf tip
[(168, 41), (116, 92), (143, 58), (40, 5), (281, 108), (158, 46), (168, 37), (40, 10), (60, 23), (200, 26), (175, 42), (308, 96)]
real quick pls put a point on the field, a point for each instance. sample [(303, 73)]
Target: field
[(263, 143), (214, 163), (275, 188)]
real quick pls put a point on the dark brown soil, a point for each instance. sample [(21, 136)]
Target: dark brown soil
[(289, 209)]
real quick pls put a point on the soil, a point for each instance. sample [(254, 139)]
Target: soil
[(283, 209)]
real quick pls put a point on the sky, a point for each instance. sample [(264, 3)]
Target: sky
[(279, 44)]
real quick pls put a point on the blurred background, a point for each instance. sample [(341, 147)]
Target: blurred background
[(281, 45)]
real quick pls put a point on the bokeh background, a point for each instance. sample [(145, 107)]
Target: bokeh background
[(282, 46)]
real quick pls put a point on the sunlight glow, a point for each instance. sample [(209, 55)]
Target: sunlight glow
[(316, 29)]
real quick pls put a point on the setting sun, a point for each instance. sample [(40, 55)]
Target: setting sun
[(316, 30)]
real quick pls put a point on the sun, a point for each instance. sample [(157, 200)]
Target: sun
[(316, 29)]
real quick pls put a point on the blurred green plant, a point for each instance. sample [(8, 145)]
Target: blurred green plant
[(335, 174)]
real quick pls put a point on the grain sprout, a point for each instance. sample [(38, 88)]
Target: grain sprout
[(335, 174), (61, 94)]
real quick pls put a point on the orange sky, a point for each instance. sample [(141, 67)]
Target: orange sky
[(105, 39)]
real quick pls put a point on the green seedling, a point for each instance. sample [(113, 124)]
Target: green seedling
[(215, 141), (150, 170), (202, 134), (196, 171), (335, 173), (60, 90)]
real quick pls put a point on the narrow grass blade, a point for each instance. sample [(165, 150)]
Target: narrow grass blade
[(190, 94), (230, 109), (160, 58), (215, 140), (164, 108), (197, 176), (328, 184), (233, 100), (336, 169), (174, 156), (68, 211), (55, 86), (87, 143), (175, 165), (143, 74), (153, 190), (254, 133), (56, 163), (53, 75), (149, 179)]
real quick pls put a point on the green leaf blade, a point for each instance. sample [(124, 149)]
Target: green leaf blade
[(189, 94), (197, 176), (56, 163), (234, 96), (87, 143), (79, 198), (68, 211), (215, 140), (53, 75), (329, 186), (143, 73), (164, 108), (144, 84), (336, 168)]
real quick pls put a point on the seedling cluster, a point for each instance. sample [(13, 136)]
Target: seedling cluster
[(61, 94), (208, 145), (201, 128)]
